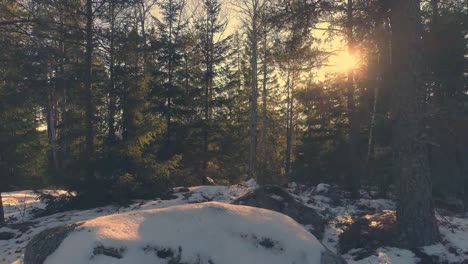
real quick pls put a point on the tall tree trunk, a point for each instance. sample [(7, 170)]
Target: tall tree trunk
[(112, 100), (353, 155), (254, 96), (51, 131), (143, 12), (289, 118), (169, 89), (88, 81), (377, 88), (435, 12), (264, 132), (415, 212), (208, 50), (371, 140), (2, 212), (207, 114)]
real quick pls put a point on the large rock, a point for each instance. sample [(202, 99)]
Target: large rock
[(6, 235), (277, 199), (45, 243), (204, 233)]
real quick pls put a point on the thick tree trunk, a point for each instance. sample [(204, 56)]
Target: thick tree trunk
[(2, 212), (415, 213), (88, 80), (353, 155)]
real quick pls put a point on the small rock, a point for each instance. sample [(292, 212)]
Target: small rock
[(208, 181)]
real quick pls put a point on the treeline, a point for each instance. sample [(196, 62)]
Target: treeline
[(123, 99)]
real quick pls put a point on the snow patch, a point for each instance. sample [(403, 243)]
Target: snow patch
[(387, 255), (322, 188)]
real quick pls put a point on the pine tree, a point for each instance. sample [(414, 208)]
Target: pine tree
[(170, 57), (213, 55), (21, 148)]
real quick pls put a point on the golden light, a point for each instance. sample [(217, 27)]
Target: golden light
[(344, 61), (42, 128)]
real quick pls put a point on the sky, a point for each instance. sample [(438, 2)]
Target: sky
[(339, 63)]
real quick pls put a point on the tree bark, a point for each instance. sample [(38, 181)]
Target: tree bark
[(381, 53), (353, 155), (263, 148), (415, 212), (289, 113), (52, 132), (112, 100), (88, 81), (209, 76)]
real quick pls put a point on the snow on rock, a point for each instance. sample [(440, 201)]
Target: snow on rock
[(333, 206), (207, 193), (322, 188), (226, 194), (377, 204), (440, 252), (24, 229), (278, 199), (195, 233), (251, 183), (292, 185), (387, 255)]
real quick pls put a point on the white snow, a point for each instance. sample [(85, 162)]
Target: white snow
[(277, 197), (18, 205), (377, 204), (222, 233), (322, 188), (251, 183), (388, 255)]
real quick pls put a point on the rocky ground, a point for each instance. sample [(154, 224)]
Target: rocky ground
[(361, 230)]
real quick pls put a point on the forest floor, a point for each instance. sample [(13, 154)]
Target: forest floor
[(361, 230)]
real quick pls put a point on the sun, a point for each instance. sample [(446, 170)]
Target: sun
[(344, 61), (340, 63)]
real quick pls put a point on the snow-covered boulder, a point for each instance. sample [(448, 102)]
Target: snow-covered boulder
[(46, 242), (203, 233), (277, 199)]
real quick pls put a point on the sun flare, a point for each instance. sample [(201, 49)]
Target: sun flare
[(344, 61)]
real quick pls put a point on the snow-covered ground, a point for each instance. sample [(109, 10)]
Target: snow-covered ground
[(17, 206), (329, 202)]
